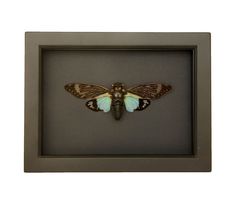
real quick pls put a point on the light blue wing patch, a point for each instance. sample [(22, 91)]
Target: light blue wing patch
[(104, 103), (131, 103)]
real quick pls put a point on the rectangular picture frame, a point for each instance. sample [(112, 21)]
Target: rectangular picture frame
[(198, 43)]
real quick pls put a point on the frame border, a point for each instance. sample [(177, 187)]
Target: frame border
[(200, 43)]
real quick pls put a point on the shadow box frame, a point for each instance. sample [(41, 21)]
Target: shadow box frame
[(198, 43)]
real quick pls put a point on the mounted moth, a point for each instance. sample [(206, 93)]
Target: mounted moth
[(118, 98)]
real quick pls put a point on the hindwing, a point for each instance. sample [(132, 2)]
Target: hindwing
[(100, 103), (134, 102)]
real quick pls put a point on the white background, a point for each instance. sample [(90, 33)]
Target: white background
[(217, 17)]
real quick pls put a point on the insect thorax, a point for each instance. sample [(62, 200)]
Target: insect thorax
[(118, 92)]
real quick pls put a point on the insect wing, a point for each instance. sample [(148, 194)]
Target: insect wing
[(134, 102), (143, 104), (104, 103), (85, 91), (92, 104), (150, 91), (131, 102)]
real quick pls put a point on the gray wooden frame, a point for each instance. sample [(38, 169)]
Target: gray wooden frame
[(199, 43)]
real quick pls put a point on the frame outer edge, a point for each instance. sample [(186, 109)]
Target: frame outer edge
[(33, 162)]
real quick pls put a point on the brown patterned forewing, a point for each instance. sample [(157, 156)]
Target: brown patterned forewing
[(85, 91), (150, 91)]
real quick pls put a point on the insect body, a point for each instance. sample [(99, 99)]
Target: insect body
[(118, 97)]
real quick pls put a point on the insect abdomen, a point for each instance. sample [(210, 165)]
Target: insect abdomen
[(117, 109)]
